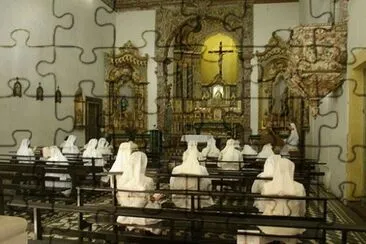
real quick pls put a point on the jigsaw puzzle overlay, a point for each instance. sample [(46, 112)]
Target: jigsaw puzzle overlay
[(62, 45)]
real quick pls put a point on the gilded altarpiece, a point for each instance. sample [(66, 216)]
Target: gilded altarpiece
[(297, 74), (185, 104), (126, 86), (278, 104), (317, 61)]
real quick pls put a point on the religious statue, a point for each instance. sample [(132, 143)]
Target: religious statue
[(168, 89), (221, 53), (218, 95), (292, 140), (279, 97), (124, 103)]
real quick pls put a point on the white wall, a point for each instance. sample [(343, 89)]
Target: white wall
[(268, 18), (331, 126), (137, 26), (44, 118), (315, 11)]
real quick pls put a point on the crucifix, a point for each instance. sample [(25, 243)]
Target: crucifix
[(221, 53)]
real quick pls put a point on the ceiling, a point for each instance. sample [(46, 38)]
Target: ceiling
[(121, 5)]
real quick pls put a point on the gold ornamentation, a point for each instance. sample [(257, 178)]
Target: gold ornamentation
[(126, 70), (170, 22), (317, 63), (277, 110)]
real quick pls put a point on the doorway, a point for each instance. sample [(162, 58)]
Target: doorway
[(94, 118)]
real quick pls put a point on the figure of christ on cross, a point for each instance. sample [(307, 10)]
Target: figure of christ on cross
[(221, 53)]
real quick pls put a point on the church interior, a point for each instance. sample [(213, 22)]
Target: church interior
[(183, 121)]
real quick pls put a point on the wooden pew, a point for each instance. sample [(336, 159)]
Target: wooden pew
[(305, 171), (194, 194), (28, 179), (197, 221)]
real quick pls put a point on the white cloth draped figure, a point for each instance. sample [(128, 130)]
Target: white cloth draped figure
[(211, 150), (121, 162), (137, 181), (64, 142), (56, 158), (237, 144), (92, 152), (69, 146), (268, 169), (266, 151), (283, 184), (248, 150), (25, 152), (230, 154), (190, 166), (103, 147), (293, 140), (192, 148)]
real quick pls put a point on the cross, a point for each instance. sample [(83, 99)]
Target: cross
[(221, 53)]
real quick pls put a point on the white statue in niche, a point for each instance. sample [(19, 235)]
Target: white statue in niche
[(279, 95), (218, 92)]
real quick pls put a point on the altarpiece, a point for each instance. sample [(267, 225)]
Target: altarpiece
[(126, 85)]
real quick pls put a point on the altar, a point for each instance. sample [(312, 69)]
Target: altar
[(196, 138), (206, 94)]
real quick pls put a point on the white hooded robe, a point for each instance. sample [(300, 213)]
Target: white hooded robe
[(137, 181), (248, 150), (24, 151), (211, 150), (293, 140), (230, 154), (283, 184), (192, 167), (266, 151), (58, 159), (69, 146)]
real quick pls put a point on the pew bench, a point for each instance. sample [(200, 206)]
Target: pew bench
[(173, 220), (28, 181)]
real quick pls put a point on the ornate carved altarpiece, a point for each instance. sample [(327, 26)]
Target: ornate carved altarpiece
[(295, 75), (184, 104), (278, 104), (126, 86), (317, 61)]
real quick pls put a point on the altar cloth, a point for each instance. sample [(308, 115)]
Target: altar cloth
[(196, 138)]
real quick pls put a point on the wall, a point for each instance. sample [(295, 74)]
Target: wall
[(268, 18), (139, 27), (53, 45), (356, 81), (326, 140)]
